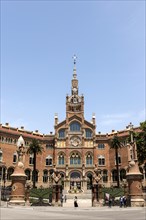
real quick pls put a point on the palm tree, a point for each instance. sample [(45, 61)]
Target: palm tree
[(116, 144), (34, 148)]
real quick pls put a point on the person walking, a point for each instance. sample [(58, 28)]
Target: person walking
[(65, 198), (110, 202), (75, 201), (125, 201), (121, 201), (62, 197)]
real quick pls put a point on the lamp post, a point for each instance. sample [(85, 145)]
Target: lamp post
[(134, 176)]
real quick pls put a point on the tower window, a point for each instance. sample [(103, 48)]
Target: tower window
[(88, 133), (75, 126), (61, 133)]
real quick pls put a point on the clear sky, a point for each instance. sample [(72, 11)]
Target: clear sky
[(38, 40)]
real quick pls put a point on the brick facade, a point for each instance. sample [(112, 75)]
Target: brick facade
[(74, 148)]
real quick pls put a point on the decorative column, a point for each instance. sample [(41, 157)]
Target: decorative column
[(134, 176), (96, 189), (66, 180), (19, 177), (56, 188)]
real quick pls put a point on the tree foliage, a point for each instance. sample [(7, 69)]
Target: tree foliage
[(141, 143), (116, 143), (34, 148)]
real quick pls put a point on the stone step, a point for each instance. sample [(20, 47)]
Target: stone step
[(80, 196)]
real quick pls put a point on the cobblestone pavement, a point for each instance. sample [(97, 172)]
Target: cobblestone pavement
[(64, 213)]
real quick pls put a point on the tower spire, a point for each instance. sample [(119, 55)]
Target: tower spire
[(74, 69)]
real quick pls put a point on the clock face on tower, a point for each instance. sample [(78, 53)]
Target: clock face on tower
[(75, 141)]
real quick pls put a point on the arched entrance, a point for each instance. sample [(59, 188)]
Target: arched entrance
[(75, 180)]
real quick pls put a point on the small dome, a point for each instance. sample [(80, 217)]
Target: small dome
[(20, 141)]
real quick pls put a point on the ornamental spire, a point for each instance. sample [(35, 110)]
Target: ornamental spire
[(74, 69)]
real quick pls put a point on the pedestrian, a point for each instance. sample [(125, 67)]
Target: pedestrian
[(62, 197), (121, 202), (65, 198), (75, 201), (110, 202), (125, 201)]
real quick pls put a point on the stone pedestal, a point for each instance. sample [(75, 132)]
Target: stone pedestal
[(18, 177), (56, 188), (96, 196), (134, 179), (18, 186), (56, 195)]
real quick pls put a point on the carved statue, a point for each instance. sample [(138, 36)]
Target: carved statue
[(56, 178), (96, 177)]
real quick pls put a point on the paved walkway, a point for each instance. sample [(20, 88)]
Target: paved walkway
[(71, 213)]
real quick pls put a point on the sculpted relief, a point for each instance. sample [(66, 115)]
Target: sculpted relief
[(75, 141)]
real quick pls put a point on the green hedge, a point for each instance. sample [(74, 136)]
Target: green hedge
[(114, 192)]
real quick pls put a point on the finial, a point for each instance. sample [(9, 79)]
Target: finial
[(74, 58)]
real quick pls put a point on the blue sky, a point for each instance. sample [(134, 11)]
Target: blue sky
[(38, 40)]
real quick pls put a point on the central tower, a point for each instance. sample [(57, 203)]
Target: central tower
[(74, 103)]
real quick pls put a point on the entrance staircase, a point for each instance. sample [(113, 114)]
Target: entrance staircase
[(84, 199)]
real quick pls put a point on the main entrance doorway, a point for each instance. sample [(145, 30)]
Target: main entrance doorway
[(75, 181)]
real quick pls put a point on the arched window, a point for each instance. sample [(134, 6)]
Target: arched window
[(105, 176), (114, 175), (27, 172), (122, 174), (89, 159), (1, 155), (31, 159), (75, 126), (61, 133), (45, 176), (9, 173), (36, 176), (101, 160), (49, 160), (75, 159), (15, 157), (88, 133), (61, 159)]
